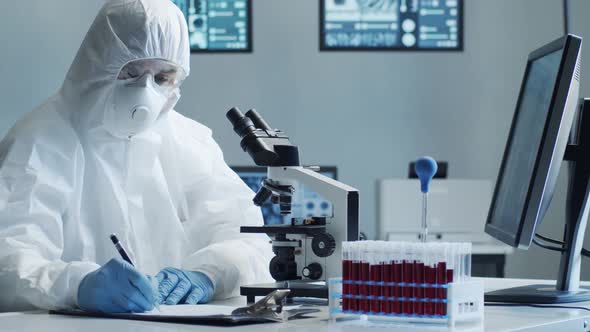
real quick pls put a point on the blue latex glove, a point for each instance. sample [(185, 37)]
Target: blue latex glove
[(116, 287), (184, 287)]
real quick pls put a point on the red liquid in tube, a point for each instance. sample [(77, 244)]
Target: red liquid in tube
[(354, 288), (386, 304), (346, 278), (375, 288), (450, 275), (396, 307), (418, 290), (441, 279), (364, 288), (407, 290), (429, 292)]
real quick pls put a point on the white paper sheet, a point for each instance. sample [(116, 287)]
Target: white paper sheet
[(189, 310)]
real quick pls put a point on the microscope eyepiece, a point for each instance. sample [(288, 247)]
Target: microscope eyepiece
[(242, 125), (267, 146), (257, 120), (234, 115)]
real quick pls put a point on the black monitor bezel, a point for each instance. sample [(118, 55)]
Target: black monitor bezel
[(551, 148), (248, 49), (324, 48)]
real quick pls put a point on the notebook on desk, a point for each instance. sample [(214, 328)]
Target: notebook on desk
[(201, 314)]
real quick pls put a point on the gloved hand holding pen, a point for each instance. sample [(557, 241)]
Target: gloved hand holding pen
[(116, 287), (183, 287)]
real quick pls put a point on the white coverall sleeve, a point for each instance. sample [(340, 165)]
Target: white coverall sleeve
[(36, 181), (218, 205)]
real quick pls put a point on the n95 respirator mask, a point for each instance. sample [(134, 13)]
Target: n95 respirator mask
[(136, 106)]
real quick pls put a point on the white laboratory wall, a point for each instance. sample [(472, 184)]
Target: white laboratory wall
[(367, 113)]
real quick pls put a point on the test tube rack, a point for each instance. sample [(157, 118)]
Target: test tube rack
[(407, 281), (464, 302)]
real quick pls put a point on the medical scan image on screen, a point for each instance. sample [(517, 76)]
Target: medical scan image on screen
[(532, 114), (392, 24), (217, 25)]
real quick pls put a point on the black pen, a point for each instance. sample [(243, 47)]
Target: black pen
[(120, 249), (123, 254)]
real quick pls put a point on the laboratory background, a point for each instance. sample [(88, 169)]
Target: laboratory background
[(368, 113)]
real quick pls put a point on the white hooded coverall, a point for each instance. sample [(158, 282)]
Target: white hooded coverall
[(66, 183)]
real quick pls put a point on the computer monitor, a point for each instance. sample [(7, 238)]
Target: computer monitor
[(382, 25), (536, 146), (306, 204), (218, 25)]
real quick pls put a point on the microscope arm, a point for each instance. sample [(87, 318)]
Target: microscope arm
[(344, 198)]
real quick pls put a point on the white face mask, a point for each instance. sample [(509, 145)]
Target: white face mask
[(136, 106)]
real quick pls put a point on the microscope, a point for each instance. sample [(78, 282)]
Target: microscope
[(308, 249)]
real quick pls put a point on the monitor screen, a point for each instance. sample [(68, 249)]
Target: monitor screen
[(391, 24), (218, 25), (309, 203), (537, 142), (533, 110)]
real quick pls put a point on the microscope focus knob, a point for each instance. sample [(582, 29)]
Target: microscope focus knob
[(313, 271), (323, 245), (283, 266)]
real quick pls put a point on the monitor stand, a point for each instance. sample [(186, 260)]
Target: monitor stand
[(567, 288)]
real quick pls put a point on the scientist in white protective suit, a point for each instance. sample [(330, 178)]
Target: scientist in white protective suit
[(108, 154)]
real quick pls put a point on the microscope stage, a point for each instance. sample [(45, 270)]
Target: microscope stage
[(298, 288)]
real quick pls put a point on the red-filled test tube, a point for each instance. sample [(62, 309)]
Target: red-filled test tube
[(441, 279), (407, 290), (354, 287), (364, 287), (418, 290), (386, 292), (429, 292), (375, 288), (450, 275), (346, 279), (397, 289)]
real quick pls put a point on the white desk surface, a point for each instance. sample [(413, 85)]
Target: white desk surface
[(496, 319)]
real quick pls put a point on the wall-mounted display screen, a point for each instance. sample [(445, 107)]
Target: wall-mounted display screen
[(391, 25), (218, 25)]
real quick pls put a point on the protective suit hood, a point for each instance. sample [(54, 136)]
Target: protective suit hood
[(123, 31)]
